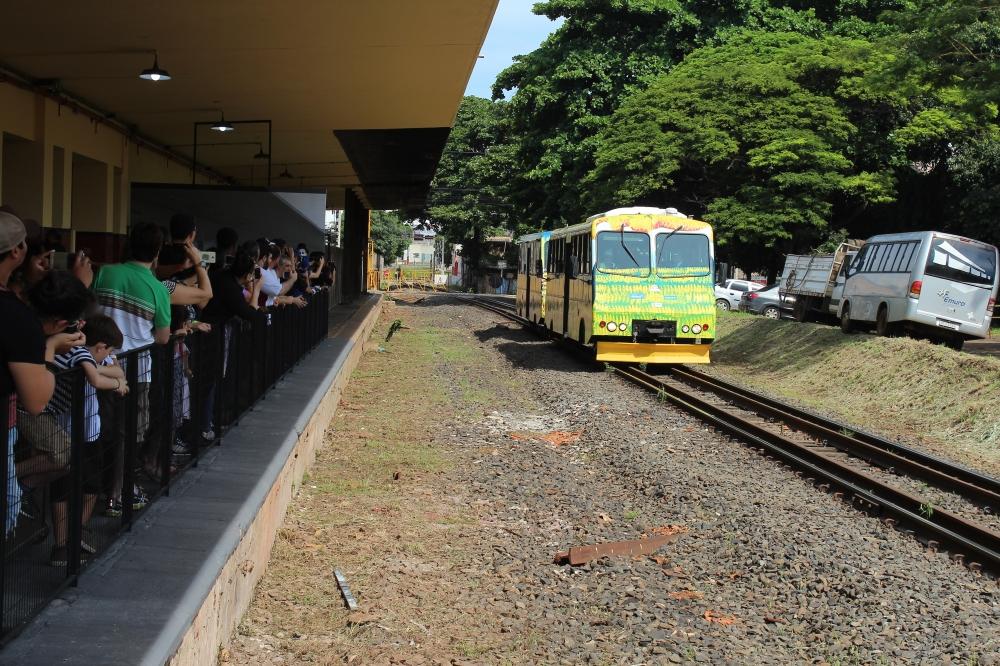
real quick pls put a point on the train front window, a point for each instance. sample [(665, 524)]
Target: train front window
[(682, 255), (623, 253)]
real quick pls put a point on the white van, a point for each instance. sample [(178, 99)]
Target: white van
[(935, 283)]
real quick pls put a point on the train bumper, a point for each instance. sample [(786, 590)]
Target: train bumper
[(639, 352)]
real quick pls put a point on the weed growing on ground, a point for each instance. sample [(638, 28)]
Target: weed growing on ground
[(631, 514), (927, 510)]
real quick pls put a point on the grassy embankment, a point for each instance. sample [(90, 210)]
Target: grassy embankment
[(944, 401)]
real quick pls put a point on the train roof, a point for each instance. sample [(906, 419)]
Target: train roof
[(616, 212)]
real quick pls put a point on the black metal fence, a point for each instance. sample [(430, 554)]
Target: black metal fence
[(78, 478)]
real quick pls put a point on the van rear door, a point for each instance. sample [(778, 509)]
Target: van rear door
[(958, 280)]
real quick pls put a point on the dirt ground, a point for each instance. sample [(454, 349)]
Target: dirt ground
[(466, 453), (383, 506)]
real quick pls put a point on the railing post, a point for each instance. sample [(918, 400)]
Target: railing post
[(131, 435), (5, 473), (74, 531), (168, 405)]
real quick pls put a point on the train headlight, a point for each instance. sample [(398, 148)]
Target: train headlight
[(612, 326), (685, 329), (622, 326), (696, 329)]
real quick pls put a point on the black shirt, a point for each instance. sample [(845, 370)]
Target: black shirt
[(227, 300), (22, 340)]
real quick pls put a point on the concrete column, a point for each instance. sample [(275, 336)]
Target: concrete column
[(355, 243)]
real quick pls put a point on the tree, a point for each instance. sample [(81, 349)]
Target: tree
[(466, 202), (390, 234), (754, 135), (605, 50)]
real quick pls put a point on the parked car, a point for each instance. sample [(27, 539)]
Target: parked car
[(729, 293), (770, 302)]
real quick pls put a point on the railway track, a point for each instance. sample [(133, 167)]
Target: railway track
[(829, 454)]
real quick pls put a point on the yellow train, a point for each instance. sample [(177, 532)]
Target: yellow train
[(634, 283)]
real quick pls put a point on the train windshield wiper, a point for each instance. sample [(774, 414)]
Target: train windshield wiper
[(628, 251), (664, 244)]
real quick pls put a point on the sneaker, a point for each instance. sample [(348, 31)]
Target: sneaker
[(208, 435), (59, 557), (139, 498), (113, 509), (180, 448), (87, 548)]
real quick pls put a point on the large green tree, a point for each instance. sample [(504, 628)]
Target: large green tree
[(390, 234), (468, 195), (754, 135), (566, 90)]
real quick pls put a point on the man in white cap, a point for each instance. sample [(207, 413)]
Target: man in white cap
[(24, 350)]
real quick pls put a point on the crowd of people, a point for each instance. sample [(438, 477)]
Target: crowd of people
[(62, 324)]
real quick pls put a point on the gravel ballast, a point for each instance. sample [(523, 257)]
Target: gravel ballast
[(767, 568)]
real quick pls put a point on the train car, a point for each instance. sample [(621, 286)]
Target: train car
[(634, 284)]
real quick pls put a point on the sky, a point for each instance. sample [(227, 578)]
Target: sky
[(515, 31)]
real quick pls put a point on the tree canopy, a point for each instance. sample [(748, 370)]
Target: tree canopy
[(783, 121), (762, 150), (390, 234)]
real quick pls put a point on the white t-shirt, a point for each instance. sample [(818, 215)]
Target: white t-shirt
[(270, 285)]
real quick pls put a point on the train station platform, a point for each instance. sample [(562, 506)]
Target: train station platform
[(175, 586)]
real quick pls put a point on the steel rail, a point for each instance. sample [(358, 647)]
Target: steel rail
[(969, 541), (971, 538), (876, 450)]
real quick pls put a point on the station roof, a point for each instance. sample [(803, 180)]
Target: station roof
[(360, 94)]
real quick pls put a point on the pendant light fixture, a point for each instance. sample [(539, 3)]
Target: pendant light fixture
[(154, 73), (222, 125), (286, 173), (261, 155)]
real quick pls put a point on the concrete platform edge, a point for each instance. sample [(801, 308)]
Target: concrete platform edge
[(206, 618)]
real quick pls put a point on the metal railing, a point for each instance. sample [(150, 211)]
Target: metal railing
[(82, 484)]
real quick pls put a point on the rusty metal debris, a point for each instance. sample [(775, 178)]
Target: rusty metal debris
[(352, 603), (645, 546)]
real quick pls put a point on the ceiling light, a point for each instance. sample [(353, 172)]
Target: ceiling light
[(261, 155), (154, 73), (222, 125)]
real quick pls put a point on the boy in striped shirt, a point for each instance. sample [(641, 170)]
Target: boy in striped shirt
[(103, 337)]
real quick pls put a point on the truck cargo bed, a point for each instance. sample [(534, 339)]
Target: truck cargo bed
[(807, 274)]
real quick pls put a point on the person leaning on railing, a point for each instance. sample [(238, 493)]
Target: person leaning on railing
[(58, 300), (24, 350), (130, 294), (235, 292), (103, 337)]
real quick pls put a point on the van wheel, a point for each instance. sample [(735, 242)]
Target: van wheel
[(771, 312), (955, 343), (722, 304), (846, 325), (882, 325)]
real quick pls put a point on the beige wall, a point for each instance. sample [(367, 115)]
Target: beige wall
[(67, 170)]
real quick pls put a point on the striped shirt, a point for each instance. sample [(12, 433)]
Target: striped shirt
[(61, 403), (130, 294)]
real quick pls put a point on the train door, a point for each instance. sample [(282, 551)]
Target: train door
[(528, 267)]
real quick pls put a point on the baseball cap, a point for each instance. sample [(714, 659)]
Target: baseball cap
[(12, 232)]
